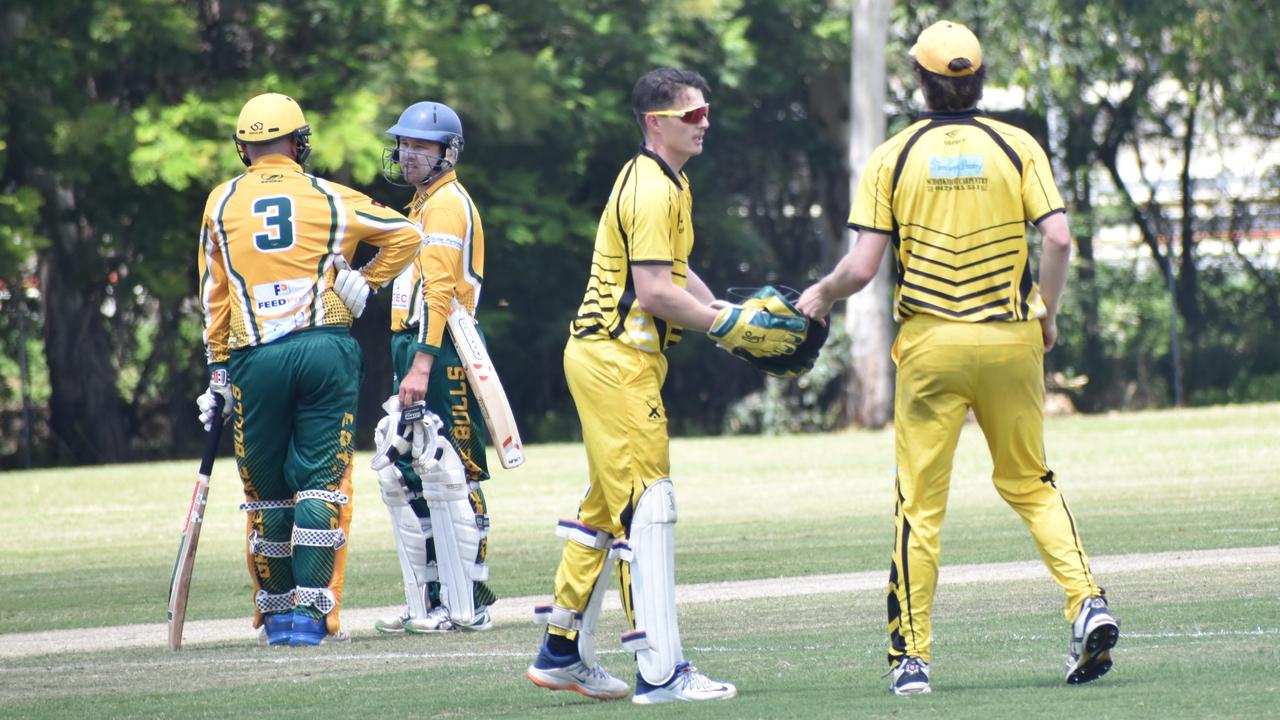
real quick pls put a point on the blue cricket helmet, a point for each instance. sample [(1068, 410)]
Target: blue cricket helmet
[(432, 121)]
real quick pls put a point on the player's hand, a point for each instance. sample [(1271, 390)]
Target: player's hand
[(814, 302), (351, 286), (207, 403), (752, 328), (413, 388), (1049, 331)]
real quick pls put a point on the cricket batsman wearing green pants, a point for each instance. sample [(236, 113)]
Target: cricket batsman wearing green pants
[(278, 298), (450, 270)]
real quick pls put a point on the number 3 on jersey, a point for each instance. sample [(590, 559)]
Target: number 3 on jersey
[(277, 217)]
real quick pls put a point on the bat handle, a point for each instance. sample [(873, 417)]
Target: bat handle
[(215, 435)]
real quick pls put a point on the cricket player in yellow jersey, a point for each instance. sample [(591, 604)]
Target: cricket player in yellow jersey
[(640, 295), (429, 141), (278, 297), (953, 193)]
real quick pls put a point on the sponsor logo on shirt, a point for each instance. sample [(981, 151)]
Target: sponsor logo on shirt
[(281, 297)]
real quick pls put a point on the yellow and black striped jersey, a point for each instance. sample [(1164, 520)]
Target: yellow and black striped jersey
[(451, 260), (956, 191), (646, 222), (267, 246)]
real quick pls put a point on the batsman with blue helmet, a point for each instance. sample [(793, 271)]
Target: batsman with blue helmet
[(428, 140)]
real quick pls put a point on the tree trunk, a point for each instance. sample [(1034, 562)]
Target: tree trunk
[(87, 415), (869, 391)]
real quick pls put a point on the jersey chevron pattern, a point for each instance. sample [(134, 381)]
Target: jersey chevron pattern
[(955, 191), (646, 222), (451, 260), (267, 245)]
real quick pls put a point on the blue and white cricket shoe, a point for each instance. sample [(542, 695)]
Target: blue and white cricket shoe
[(910, 677), (568, 672), (686, 684)]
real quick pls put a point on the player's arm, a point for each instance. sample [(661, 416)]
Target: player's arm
[(395, 236), (854, 271), (661, 297), (440, 266), (698, 288), (1055, 257), (215, 303), (1042, 203)]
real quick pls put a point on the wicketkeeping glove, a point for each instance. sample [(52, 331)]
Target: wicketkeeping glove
[(802, 360), (351, 286), (766, 325), (207, 403)]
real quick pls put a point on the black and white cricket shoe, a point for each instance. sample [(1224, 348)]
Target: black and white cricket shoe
[(1093, 634)]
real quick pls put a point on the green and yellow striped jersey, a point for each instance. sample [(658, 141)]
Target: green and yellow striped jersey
[(267, 246), (451, 260), (647, 221), (955, 191)]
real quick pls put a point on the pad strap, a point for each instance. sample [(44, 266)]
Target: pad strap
[(256, 505), (259, 545), (557, 616), (584, 534), (267, 602), (319, 538), (321, 599), (326, 495)]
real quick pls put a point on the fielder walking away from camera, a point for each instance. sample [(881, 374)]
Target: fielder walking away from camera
[(278, 297), (953, 193), (640, 296), (428, 143)]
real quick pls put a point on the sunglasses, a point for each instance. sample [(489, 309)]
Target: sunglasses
[(692, 116)]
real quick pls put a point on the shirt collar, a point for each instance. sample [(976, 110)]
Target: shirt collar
[(275, 161), (424, 193), (956, 115), (666, 169)]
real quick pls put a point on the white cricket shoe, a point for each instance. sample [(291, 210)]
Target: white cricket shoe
[(686, 684), (910, 677), (570, 673), (480, 622), (392, 623), (1093, 634), (436, 621)]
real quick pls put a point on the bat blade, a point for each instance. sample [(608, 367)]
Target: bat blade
[(185, 563), (487, 387)]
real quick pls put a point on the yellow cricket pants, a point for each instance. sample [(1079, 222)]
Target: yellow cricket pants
[(944, 369), (617, 390)]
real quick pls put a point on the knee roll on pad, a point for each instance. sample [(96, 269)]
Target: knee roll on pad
[(650, 553)]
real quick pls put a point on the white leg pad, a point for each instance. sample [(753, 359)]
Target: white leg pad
[(411, 534), (651, 553), (457, 528)]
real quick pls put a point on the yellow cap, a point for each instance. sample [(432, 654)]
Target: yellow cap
[(943, 43), (267, 117)]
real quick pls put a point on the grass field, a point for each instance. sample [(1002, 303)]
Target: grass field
[(93, 547)]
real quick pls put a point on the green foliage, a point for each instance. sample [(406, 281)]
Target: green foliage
[(812, 402)]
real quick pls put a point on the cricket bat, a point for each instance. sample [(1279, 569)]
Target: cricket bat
[(486, 386), (180, 583)]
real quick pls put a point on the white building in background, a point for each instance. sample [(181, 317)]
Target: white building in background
[(1229, 166)]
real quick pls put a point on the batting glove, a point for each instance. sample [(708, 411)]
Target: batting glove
[(217, 395), (394, 439), (351, 286)]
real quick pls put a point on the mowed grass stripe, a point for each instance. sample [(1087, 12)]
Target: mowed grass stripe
[(519, 610)]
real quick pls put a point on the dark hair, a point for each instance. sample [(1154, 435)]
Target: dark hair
[(951, 94), (657, 89)]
